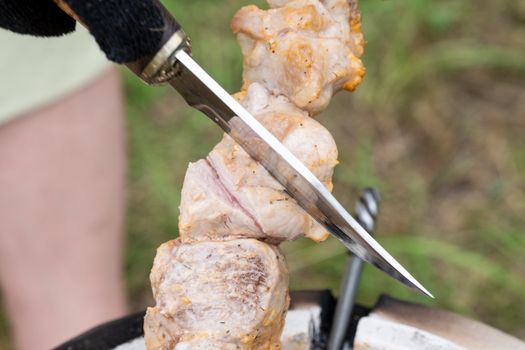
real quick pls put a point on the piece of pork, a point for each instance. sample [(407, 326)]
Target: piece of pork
[(229, 195), (304, 49), (217, 295)]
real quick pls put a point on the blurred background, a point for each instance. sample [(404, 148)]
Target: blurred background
[(438, 126)]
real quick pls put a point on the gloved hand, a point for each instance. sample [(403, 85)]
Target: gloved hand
[(35, 17), (125, 30)]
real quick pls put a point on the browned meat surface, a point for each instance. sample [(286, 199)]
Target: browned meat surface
[(217, 295), (303, 49), (229, 195)]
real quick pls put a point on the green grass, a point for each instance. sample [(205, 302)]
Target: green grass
[(5, 341), (437, 126)]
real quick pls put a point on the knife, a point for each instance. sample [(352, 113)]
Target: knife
[(172, 63)]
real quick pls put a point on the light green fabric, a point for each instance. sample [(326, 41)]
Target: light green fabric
[(37, 71)]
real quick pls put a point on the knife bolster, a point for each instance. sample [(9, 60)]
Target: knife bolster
[(162, 66)]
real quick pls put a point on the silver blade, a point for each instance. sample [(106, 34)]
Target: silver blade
[(205, 94)]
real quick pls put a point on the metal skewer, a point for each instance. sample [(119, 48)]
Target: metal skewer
[(366, 209)]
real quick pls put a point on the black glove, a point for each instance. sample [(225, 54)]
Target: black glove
[(35, 17), (125, 30)]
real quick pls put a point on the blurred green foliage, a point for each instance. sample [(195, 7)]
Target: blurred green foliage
[(437, 126)]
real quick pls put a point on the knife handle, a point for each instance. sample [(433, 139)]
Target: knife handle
[(131, 32)]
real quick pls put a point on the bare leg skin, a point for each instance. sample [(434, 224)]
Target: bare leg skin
[(62, 177)]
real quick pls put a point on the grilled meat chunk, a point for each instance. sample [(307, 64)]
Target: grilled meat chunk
[(303, 49), (217, 295), (229, 195)]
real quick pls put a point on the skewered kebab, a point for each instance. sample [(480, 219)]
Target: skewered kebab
[(297, 54)]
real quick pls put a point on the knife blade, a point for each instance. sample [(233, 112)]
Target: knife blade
[(172, 63), (202, 92)]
